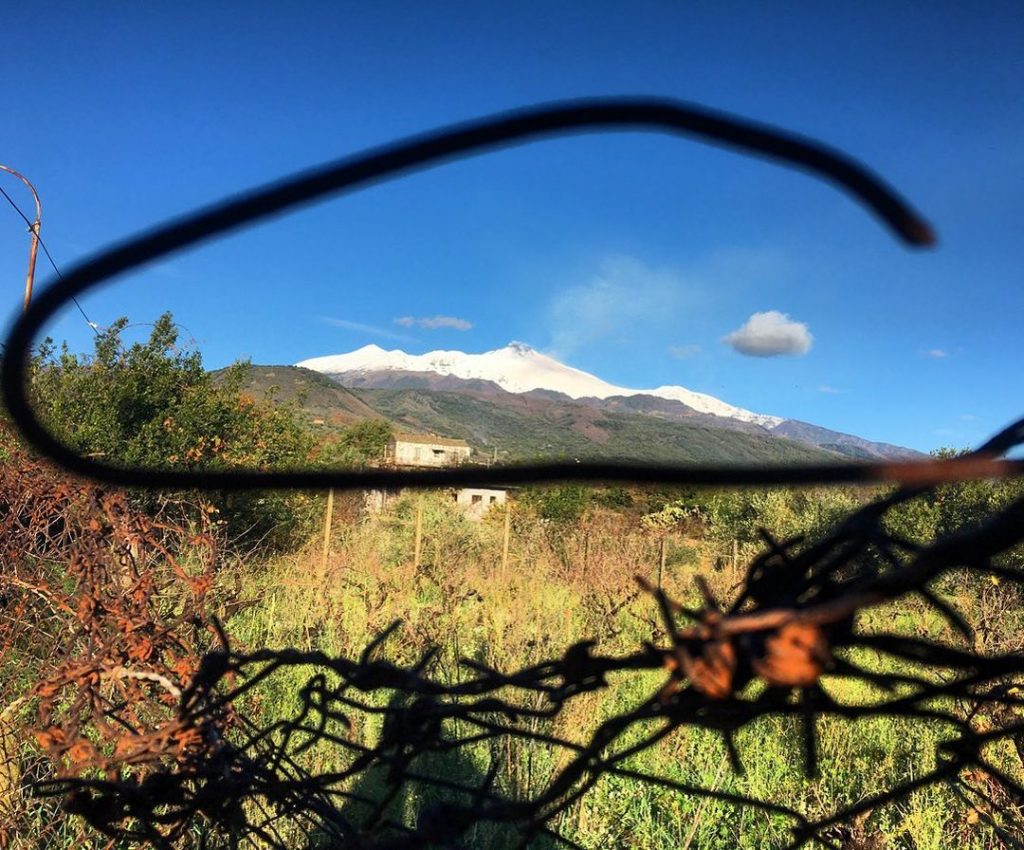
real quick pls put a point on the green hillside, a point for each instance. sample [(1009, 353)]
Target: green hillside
[(321, 400), (522, 429)]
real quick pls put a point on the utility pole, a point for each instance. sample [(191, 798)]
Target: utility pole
[(34, 230)]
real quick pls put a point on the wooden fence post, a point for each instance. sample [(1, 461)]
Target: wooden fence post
[(505, 538), (419, 533), (661, 563), (328, 520)]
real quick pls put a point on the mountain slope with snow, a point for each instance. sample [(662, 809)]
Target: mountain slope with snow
[(518, 368)]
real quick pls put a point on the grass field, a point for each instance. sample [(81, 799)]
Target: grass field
[(561, 587), (565, 581)]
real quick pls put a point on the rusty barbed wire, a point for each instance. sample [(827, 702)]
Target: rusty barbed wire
[(147, 734), (102, 625), (791, 629)]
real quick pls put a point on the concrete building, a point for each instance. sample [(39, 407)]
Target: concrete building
[(431, 451), (476, 501), (426, 450)]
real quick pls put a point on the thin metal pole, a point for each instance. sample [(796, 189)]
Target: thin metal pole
[(34, 230), (31, 265)]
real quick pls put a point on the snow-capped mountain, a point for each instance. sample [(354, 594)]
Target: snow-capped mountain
[(518, 368)]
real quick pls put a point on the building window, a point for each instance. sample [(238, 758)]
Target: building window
[(494, 499), (477, 499)]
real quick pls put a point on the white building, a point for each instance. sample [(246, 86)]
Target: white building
[(476, 501), (417, 450), (421, 450)]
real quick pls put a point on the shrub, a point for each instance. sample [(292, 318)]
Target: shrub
[(564, 504), (152, 404), (358, 445)]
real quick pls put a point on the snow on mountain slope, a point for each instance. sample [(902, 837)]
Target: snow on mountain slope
[(709, 404), (518, 368)]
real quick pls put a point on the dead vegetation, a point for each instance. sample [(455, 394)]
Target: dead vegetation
[(140, 722), (102, 628)]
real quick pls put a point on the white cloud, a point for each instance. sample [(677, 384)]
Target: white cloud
[(371, 330), (769, 334), (937, 353), (624, 292), (431, 323), (682, 352), (825, 388)]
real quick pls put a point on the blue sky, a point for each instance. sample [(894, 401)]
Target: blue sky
[(629, 255)]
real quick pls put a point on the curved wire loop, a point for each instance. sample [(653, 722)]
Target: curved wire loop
[(444, 145)]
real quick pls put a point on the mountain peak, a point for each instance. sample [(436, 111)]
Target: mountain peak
[(519, 368), (521, 348)]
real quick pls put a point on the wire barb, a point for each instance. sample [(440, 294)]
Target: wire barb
[(763, 655)]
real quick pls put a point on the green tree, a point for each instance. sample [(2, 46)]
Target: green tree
[(562, 504), (358, 445), (151, 404), (952, 507)]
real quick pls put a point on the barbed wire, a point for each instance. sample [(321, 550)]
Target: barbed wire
[(148, 733), (444, 145), (793, 628)]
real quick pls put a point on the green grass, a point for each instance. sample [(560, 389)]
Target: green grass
[(565, 583), (467, 607)]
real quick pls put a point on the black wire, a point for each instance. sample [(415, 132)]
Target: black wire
[(92, 325), (17, 209), (429, 150), (32, 227)]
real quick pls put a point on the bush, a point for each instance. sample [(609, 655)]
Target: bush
[(724, 516), (563, 504), (358, 445), (152, 405), (950, 508)]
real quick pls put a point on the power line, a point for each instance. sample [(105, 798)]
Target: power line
[(17, 209), (32, 227), (92, 325)]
